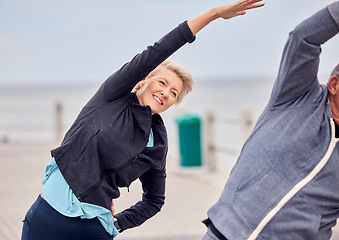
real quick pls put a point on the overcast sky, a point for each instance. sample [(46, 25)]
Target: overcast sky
[(84, 41)]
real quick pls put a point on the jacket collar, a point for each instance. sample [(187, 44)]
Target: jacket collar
[(134, 99)]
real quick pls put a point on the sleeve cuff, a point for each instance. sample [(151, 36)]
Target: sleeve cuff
[(186, 32), (334, 11), (121, 219)]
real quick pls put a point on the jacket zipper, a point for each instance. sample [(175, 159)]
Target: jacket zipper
[(85, 194), (296, 188)]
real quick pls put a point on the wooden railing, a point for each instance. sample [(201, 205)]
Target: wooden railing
[(245, 121)]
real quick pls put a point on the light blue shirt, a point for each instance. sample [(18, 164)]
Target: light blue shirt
[(59, 195)]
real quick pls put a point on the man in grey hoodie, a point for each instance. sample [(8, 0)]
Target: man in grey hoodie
[(285, 184)]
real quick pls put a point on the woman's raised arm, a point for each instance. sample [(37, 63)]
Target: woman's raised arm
[(226, 12)]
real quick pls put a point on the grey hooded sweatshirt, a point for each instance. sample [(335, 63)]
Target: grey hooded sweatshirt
[(285, 184)]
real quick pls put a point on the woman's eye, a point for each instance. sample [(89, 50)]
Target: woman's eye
[(174, 94), (162, 82)]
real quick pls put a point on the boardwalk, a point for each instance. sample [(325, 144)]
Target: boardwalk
[(189, 195)]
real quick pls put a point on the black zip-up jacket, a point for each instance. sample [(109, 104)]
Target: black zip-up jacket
[(105, 148)]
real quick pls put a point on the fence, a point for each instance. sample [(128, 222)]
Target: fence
[(58, 125), (245, 122), (29, 123)]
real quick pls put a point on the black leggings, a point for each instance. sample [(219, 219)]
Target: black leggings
[(43, 222)]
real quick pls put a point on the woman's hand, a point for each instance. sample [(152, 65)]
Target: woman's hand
[(238, 8), (112, 209), (226, 12)]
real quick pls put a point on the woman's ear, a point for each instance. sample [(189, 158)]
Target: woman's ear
[(142, 83), (332, 85)]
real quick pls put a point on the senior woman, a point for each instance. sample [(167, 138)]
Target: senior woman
[(117, 138)]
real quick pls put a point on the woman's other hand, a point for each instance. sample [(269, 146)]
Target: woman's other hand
[(112, 209)]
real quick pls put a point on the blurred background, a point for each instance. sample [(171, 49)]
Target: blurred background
[(55, 54)]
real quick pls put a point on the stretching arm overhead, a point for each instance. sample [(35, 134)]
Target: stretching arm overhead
[(226, 12), (300, 61), (123, 81)]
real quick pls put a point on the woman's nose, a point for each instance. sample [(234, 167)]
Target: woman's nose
[(164, 93)]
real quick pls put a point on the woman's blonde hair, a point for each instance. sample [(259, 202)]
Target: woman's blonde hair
[(182, 73)]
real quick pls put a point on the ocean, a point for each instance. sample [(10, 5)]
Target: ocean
[(27, 113)]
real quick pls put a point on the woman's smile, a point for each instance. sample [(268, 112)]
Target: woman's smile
[(160, 91), (159, 100)]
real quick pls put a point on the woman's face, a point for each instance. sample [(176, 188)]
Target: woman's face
[(160, 91)]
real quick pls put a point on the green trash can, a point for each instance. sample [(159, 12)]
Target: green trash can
[(189, 140)]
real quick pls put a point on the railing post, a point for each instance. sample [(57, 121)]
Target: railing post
[(58, 121), (210, 139), (247, 124)]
